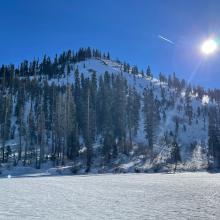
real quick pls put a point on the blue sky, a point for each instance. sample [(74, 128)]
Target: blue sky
[(128, 29)]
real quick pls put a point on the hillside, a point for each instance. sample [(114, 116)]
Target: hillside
[(88, 113)]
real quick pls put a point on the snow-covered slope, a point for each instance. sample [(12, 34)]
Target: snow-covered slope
[(197, 131), (193, 137)]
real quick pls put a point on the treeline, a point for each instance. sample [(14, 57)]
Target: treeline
[(56, 67), (48, 66), (54, 122), (62, 123)]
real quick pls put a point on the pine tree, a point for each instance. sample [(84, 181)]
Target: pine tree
[(188, 107), (214, 137), (86, 113), (150, 117), (119, 111), (21, 130), (72, 129), (93, 103), (148, 73), (175, 154), (77, 97), (5, 121), (132, 110)]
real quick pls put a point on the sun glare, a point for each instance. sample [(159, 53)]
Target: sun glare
[(209, 47)]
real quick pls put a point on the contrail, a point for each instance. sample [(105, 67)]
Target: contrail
[(165, 39)]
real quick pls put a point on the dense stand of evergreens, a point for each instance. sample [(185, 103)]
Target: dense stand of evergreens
[(62, 123)]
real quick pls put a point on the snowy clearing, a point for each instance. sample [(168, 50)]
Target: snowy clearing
[(119, 196)]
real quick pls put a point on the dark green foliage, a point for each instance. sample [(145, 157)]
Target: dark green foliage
[(56, 121), (214, 137), (148, 73), (175, 154), (151, 117)]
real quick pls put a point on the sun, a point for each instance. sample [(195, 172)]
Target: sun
[(209, 47)]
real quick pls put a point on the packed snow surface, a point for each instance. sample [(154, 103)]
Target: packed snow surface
[(112, 196)]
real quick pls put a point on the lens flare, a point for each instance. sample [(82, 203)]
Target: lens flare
[(209, 47)]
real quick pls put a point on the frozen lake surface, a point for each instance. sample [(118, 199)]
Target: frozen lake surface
[(122, 196)]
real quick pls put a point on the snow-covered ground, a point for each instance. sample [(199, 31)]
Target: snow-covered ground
[(120, 196)]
